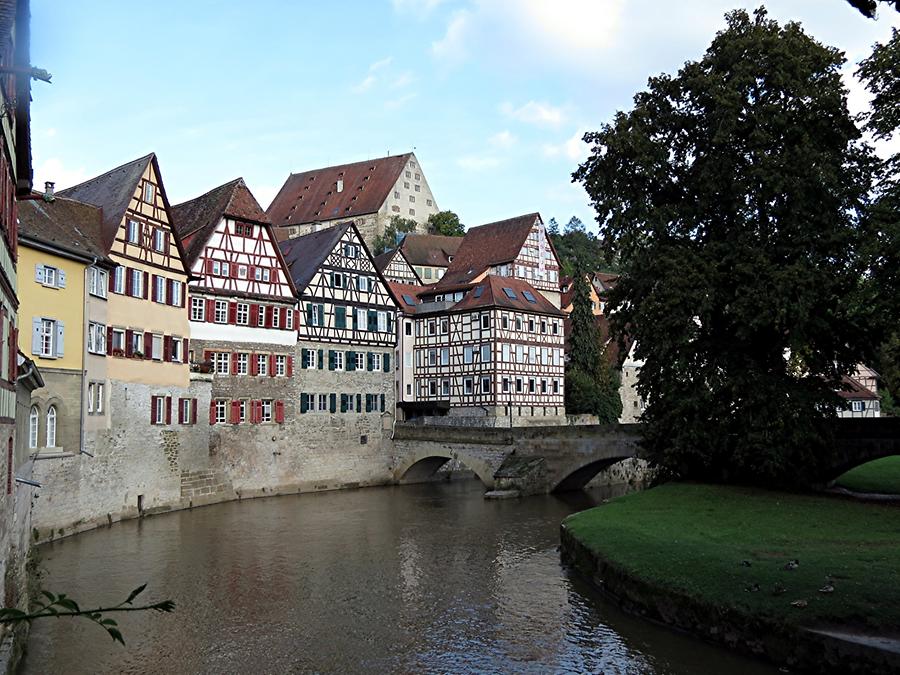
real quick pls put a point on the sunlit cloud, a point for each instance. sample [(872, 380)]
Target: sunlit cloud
[(535, 112)]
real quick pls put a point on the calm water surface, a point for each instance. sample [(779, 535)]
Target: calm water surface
[(415, 579)]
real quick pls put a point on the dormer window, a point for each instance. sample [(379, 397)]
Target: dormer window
[(340, 185)]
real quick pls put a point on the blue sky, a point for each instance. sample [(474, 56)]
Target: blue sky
[(492, 94)]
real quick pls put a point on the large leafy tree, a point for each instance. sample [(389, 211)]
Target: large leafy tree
[(731, 194), (393, 234), (576, 247), (446, 223)]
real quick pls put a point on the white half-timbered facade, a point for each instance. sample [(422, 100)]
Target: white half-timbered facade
[(242, 307), (498, 351), (394, 267)]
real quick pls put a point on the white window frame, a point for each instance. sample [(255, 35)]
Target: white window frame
[(376, 361), (133, 232), (266, 410), (149, 193), (34, 420), (177, 290), (222, 363), (221, 411), (177, 347), (360, 359), (221, 308), (96, 338), (119, 280), (156, 347), (137, 283), (52, 418), (198, 309), (338, 360), (98, 282), (160, 290), (159, 240), (48, 338), (242, 365), (262, 364), (243, 314), (280, 365)]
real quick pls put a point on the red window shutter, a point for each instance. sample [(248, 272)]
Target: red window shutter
[(268, 311), (258, 405), (271, 365), (279, 412), (234, 363), (253, 369), (146, 284), (232, 312), (129, 343), (283, 322), (166, 243), (109, 334), (153, 286), (209, 266), (129, 279), (148, 345), (297, 319), (168, 410), (251, 272), (13, 360), (193, 411), (170, 285), (212, 412), (111, 279), (184, 350), (181, 419), (207, 355), (210, 310), (254, 314), (235, 412), (167, 348), (153, 409), (290, 366)]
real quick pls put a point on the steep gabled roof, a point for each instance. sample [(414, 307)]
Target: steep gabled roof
[(65, 224), (312, 196), (303, 255), (433, 250), (112, 191), (195, 220), (384, 260), (404, 292), (494, 293), (850, 389), (488, 245)]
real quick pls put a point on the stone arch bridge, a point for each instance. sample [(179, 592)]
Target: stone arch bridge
[(538, 460)]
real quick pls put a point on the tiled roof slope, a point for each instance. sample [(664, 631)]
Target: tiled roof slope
[(196, 220), (398, 290), (383, 260), (65, 224), (488, 245), (312, 196), (433, 250), (305, 254), (493, 295), (112, 191), (851, 389)]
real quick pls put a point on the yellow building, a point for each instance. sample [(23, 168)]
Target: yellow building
[(62, 296)]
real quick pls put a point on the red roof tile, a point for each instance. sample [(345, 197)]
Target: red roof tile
[(494, 294), (853, 390), (402, 291), (433, 250), (312, 196)]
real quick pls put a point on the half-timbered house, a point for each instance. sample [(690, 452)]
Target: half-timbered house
[(346, 333), (243, 311), (493, 349), (394, 267), (517, 247), (407, 299), (430, 254)]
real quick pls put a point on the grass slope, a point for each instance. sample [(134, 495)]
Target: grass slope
[(693, 538), (881, 476)]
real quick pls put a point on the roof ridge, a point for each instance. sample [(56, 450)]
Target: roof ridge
[(148, 157), (208, 192), (361, 161)]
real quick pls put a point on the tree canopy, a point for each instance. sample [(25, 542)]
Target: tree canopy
[(446, 223), (733, 195), (393, 234), (869, 8), (578, 248)]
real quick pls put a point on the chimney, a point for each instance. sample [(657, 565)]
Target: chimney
[(48, 191)]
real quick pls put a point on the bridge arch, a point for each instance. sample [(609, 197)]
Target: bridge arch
[(422, 465), (576, 477)]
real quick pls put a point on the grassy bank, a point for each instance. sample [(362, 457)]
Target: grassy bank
[(719, 544), (881, 476)]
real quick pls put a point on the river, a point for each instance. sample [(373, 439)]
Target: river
[(416, 579)]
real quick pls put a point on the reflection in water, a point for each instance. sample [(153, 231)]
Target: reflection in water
[(426, 578)]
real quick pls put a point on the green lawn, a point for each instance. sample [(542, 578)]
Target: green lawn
[(693, 538), (881, 476)]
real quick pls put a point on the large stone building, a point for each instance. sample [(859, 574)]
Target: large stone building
[(368, 194), (517, 247), (429, 254), (243, 312), (65, 296), (494, 349)]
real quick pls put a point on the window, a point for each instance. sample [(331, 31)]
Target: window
[(485, 385), (149, 192), (198, 309), (518, 385), (555, 386), (556, 328), (177, 349), (241, 362), (529, 296), (33, 419), (468, 385), (47, 338), (313, 315), (118, 342), (266, 411), (242, 411), (360, 319), (468, 354), (242, 271), (137, 344), (51, 426), (337, 280), (137, 284), (407, 328), (262, 364), (96, 338), (427, 272), (156, 352), (445, 356), (445, 326), (281, 365), (417, 187), (186, 409), (276, 317), (261, 316), (98, 282), (362, 284), (857, 406), (159, 289), (543, 326), (518, 323), (376, 362), (159, 409), (396, 194), (134, 232), (432, 387), (119, 280), (351, 251), (485, 319), (159, 240), (261, 273), (412, 198), (505, 385), (175, 299), (412, 212), (382, 322), (531, 385), (504, 322), (530, 325), (543, 386), (485, 353), (338, 360), (221, 314), (289, 319), (429, 202), (510, 293), (309, 358), (220, 363), (243, 313), (323, 402), (221, 415)]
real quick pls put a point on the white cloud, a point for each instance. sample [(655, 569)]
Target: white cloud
[(371, 78), (476, 163), (420, 7), (451, 48), (573, 148), (395, 103), (365, 84), (403, 80), (535, 112), (53, 169), (382, 63), (503, 139)]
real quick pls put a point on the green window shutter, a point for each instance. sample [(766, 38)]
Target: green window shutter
[(368, 402), (340, 317), (330, 359), (382, 402), (386, 360), (351, 361), (332, 402), (343, 402), (373, 320), (303, 353), (370, 361), (321, 315), (321, 360), (359, 403), (390, 323), (309, 313), (304, 405), (332, 279)]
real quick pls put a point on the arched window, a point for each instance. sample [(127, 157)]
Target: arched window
[(33, 427), (51, 427)]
